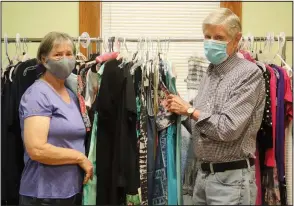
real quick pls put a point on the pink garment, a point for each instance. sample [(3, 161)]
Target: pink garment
[(288, 97), (270, 159), (258, 179), (106, 57), (247, 56)]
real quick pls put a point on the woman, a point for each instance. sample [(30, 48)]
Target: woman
[(53, 131)]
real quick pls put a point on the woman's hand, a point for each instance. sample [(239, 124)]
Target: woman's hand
[(87, 166), (177, 105)]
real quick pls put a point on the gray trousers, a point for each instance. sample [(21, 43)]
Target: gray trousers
[(232, 187)]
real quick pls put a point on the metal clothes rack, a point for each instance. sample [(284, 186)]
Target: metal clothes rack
[(36, 40), (111, 39)]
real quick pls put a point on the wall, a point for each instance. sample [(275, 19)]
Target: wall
[(31, 19), (36, 19), (262, 17)]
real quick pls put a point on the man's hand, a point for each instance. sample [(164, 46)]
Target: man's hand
[(177, 105)]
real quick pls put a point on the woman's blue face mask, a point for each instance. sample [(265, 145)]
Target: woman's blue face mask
[(215, 51)]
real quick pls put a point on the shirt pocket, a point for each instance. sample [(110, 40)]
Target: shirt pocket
[(221, 97)]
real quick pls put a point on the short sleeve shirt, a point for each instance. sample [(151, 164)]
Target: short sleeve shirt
[(66, 130)]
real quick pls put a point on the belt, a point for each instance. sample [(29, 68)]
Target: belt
[(221, 167)]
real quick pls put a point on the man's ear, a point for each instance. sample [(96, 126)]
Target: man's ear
[(237, 39), (238, 36)]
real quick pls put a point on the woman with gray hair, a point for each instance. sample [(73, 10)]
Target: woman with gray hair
[(53, 130), (225, 117)]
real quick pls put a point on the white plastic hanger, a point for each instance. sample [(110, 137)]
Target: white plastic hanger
[(25, 51), (104, 44), (79, 54), (7, 59), (16, 57), (281, 44), (17, 48)]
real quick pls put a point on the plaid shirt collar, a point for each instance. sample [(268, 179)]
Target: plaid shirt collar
[(224, 67)]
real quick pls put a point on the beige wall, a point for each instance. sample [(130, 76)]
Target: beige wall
[(36, 19), (259, 18)]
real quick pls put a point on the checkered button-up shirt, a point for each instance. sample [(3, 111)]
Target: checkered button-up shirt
[(231, 101)]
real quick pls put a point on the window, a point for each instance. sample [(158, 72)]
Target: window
[(160, 20)]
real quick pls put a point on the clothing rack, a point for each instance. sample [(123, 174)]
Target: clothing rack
[(36, 40), (120, 39)]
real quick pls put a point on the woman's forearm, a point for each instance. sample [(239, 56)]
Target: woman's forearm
[(52, 155)]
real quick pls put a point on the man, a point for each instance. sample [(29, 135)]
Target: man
[(225, 116)]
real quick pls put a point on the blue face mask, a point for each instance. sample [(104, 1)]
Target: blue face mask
[(215, 51)]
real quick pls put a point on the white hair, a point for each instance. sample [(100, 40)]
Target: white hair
[(225, 17)]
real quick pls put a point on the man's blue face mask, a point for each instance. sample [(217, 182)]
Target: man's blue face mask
[(215, 51)]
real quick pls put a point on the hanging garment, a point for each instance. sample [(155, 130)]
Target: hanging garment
[(289, 162), (171, 158), (89, 190), (171, 85), (280, 135), (171, 165), (23, 76), (280, 132), (91, 88), (160, 178), (117, 152), (152, 139), (143, 142), (80, 91), (270, 184), (270, 159), (264, 138), (289, 135), (197, 67)]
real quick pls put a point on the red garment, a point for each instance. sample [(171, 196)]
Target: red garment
[(270, 159)]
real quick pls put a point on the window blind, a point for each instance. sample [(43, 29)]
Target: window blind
[(160, 20)]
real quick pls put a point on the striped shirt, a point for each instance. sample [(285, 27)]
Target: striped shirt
[(231, 102)]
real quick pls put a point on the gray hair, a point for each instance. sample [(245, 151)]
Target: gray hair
[(226, 17), (49, 41)]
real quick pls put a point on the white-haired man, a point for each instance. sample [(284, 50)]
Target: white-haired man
[(225, 116)]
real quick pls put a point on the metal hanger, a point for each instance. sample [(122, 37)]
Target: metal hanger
[(98, 46), (260, 50), (6, 51), (104, 44)]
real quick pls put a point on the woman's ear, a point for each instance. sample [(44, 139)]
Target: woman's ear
[(43, 59)]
